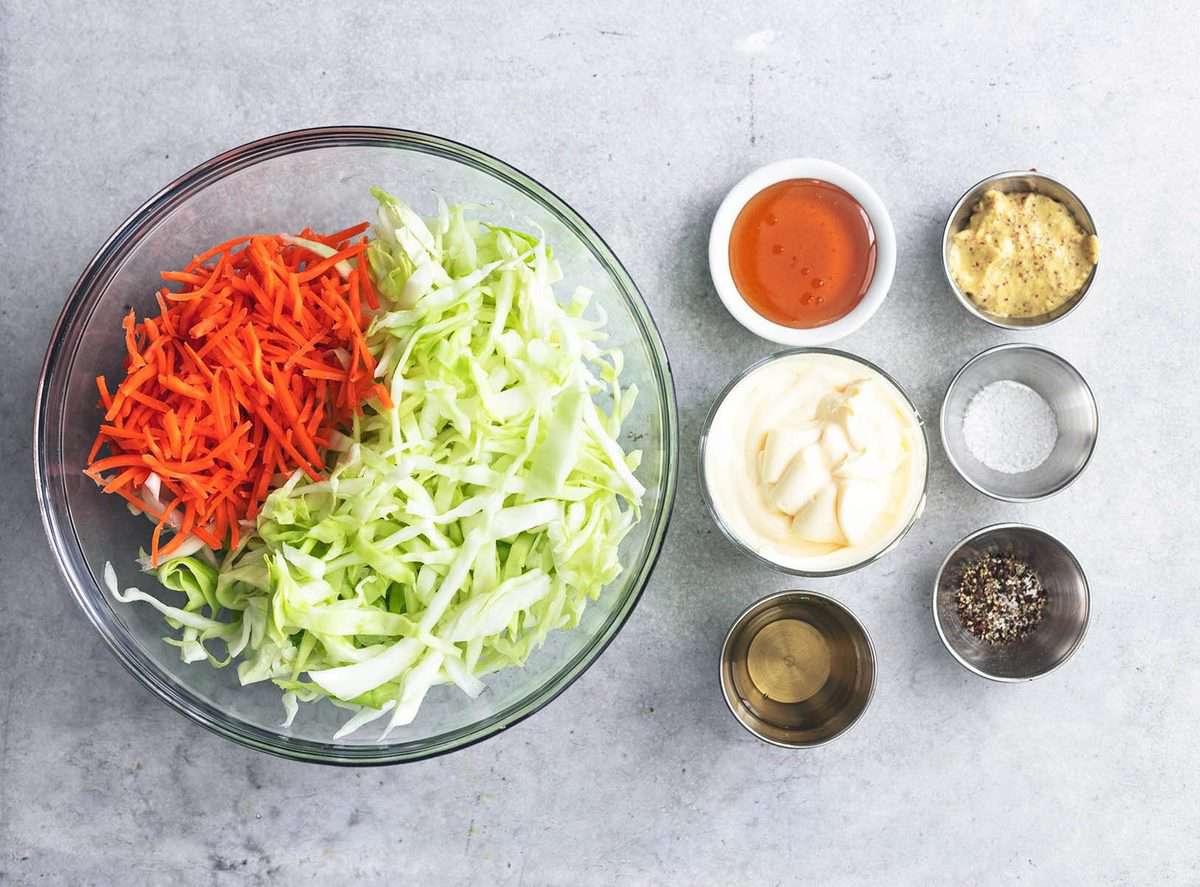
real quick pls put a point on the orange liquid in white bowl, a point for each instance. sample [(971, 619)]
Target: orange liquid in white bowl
[(802, 253)]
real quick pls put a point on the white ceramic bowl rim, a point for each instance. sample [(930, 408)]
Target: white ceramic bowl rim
[(802, 168)]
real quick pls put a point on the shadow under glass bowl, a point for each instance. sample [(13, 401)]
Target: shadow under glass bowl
[(1064, 622), (320, 178)]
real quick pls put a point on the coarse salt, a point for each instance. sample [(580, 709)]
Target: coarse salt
[(1009, 427)]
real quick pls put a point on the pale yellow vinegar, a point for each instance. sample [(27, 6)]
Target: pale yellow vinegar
[(789, 661)]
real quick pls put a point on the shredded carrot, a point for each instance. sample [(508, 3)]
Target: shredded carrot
[(174, 433), (297, 297), (131, 348), (122, 479), (179, 386), (337, 237), (189, 519), (105, 397), (220, 248), (323, 266), (331, 375), (368, 290), (237, 382), (384, 396), (162, 522)]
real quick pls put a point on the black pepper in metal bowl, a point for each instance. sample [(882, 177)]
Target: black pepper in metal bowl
[(1000, 598)]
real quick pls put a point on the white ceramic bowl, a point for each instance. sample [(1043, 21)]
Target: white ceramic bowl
[(802, 168)]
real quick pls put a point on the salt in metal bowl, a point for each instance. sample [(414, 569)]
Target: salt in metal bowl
[(1059, 384)]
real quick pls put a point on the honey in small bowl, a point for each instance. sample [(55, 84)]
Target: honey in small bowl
[(802, 253)]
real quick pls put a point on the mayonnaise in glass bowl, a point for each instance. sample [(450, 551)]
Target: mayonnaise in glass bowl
[(814, 461)]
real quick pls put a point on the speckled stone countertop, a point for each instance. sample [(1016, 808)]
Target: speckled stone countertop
[(641, 116)]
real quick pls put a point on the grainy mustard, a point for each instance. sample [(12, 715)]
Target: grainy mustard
[(1022, 255)]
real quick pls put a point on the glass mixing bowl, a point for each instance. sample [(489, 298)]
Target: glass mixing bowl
[(321, 177)]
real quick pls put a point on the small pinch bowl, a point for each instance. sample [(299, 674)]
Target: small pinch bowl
[(836, 707), (780, 171), (1059, 384), (1016, 181), (1056, 637)]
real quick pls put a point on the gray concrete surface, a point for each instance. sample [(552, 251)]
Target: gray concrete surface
[(641, 115)]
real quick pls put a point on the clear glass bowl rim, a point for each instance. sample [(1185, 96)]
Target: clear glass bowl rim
[(55, 373)]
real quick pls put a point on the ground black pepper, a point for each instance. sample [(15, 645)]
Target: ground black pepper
[(1000, 598)]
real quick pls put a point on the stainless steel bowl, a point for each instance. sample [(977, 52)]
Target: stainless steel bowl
[(843, 696), (1008, 183), (1062, 628), (729, 534), (1059, 384)]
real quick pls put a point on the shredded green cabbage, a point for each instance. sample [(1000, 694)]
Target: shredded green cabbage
[(455, 530)]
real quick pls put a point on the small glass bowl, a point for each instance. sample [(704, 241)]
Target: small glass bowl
[(320, 177), (918, 508)]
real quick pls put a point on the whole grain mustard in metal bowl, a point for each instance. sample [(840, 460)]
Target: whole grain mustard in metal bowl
[(1022, 254)]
